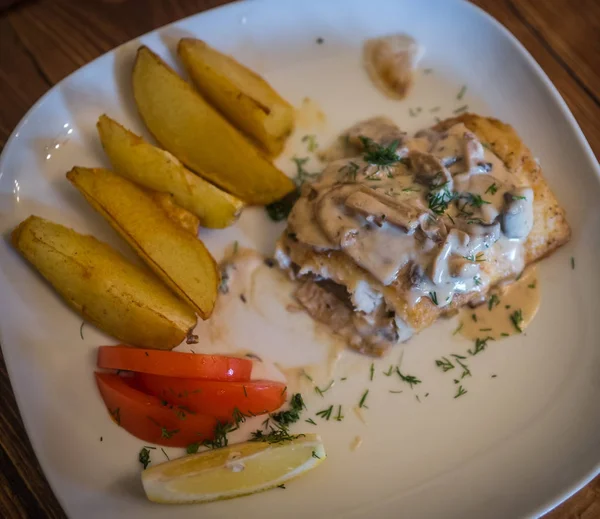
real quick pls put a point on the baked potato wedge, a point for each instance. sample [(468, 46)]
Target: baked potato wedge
[(180, 260), (118, 297), (185, 124), (187, 221), (151, 167), (240, 94)]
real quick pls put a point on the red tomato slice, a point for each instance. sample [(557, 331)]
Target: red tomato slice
[(148, 419), (218, 399), (175, 364)]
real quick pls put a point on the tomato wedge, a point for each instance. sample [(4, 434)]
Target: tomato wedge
[(148, 419), (175, 364), (214, 398)]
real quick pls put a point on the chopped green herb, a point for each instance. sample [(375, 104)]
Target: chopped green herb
[(417, 398), (245, 392), (458, 329), (166, 455), (474, 317), (433, 297), (459, 360), (372, 371), (444, 364), (311, 141), (310, 420), (516, 318), (362, 400), (350, 170), (281, 486), (389, 371), (480, 345), (292, 415), (515, 197), (166, 434), (413, 112), (461, 391), (494, 300), (236, 247), (326, 413), (504, 334), (485, 329), (494, 376), (572, 263), (396, 392), (461, 109), (81, 330), (477, 281), (427, 71), (434, 109), (322, 391), (277, 434), (192, 448), (144, 457), (462, 92), (409, 379), (531, 285), (439, 198), (315, 455), (339, 416), (380, 155), (492, 189)]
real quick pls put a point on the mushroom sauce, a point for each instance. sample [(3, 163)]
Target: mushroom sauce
[(441, 204)]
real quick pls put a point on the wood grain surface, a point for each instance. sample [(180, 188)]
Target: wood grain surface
[(43, 41)]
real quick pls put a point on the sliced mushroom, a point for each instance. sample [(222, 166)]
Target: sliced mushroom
[(460, 267), (332, 215), (400, 214), (455, 243), (429, 170), (517, 217), (433, 228), (303, 223), (482, 236), (473, 154), (380, 129), (390, 62)]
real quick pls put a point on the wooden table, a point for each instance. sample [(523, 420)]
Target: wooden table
[(43, 41)]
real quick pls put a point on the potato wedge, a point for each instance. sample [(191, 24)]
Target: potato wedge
[(192, 130), (151, 167), (118, 297), (180, 260), (182, 217), (244, 97)]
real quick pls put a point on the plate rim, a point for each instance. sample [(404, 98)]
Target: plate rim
[(551, 89)]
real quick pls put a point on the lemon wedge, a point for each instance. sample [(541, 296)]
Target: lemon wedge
[(237, 470)]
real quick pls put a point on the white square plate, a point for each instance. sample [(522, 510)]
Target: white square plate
[(513, 446)]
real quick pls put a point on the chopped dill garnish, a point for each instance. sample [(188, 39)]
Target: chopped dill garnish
[(166, 455), (280, 209), (389, 371), (492, 189), (301, 174), (474, 317), (281, 486), (311, 141), (310, 420), (531, 285), (339, 416), (485, 329), (504, 334), (461, 391), (516, 318), (192, 448), (411, 380), (444, 364), (439, 198), (306, 375), (396, 392), (315, 455), (480, 345), (380, 155), (371, 371), (144, 457), (362, 400), (462, 92), (320, 391), (433, 297), (350, 170), (494, 300), (458, 329), (81, 332), (459, 360), (435, 109), (325, 413), (461, 109), (292, 415), (572, 263)]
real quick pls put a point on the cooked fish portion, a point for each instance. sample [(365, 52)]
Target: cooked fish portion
[(401, 237)]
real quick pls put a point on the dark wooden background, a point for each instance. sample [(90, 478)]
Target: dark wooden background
[(43, 41)]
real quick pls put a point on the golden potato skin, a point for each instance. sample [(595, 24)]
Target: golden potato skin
[(182, 217), (141, 162), (243, 96), (180, 260), (118, 297), (186, 125)]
